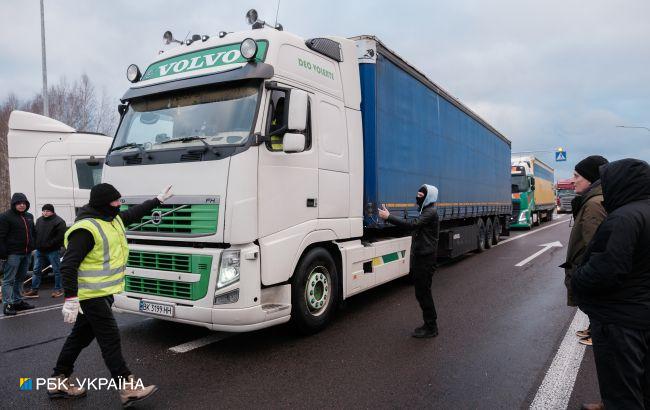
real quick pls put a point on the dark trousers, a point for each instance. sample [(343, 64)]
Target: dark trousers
[(97, 321), (422, 269), (623, 365)]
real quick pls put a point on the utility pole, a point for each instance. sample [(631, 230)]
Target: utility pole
[(46, 108)]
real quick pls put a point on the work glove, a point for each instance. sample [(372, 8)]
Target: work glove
[(165, 194), (70, 309)]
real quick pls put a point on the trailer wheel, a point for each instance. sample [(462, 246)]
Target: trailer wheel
[(489, 233), (314, 291), (497, 231), (480, 238)]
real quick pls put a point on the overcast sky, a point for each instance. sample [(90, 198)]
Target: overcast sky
[(544, 73)]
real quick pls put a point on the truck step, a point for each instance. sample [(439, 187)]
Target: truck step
[(272, 307)]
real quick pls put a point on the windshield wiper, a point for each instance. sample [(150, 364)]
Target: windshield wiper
[(130, 145), (193, 138)]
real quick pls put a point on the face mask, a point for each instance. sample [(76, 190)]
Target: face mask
[(111, 211), (419, 200)]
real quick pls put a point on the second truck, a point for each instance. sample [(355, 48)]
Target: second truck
[(280, 150), (533, 196)]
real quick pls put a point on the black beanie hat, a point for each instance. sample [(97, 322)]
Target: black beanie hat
[(588, 167), (48, 207), (102, 195)]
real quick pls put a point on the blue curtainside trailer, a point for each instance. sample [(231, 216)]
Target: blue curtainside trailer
[(415, 133)]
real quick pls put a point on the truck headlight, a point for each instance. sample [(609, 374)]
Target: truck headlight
[(228, 268), (523, 216)]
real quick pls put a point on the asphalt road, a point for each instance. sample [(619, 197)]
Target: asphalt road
[(500, 328)]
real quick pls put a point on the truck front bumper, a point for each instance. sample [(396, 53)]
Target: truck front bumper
[(221, 319)]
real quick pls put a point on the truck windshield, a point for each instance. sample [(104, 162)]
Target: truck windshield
[(519, 183), (216, 116)]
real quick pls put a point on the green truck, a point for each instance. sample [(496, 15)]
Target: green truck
[(533, 196)]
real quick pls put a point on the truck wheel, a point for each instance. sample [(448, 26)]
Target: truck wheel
[(480, 239), (489, 233), (314, 291), (497, 231)]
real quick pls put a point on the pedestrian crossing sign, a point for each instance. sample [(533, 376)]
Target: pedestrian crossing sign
[(560, 156)]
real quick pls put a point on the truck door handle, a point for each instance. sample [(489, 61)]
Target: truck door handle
[(312, 202)]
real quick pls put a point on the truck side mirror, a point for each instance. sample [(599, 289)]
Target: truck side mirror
[(297, 118), (293, 142), (121, 109)]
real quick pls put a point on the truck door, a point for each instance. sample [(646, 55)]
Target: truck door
[(288, 182), (53, 185)]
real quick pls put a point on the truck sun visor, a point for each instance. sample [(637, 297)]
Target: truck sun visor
[(327, 47)]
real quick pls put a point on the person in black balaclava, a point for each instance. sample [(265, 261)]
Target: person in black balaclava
[(424, 249), (88, 302)]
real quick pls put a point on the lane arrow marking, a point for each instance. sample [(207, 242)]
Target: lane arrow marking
[(546, 247)]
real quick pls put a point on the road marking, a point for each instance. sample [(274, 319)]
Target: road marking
[(555, 390), (33, 311), (532, 232), (546, 247), (204, 341)]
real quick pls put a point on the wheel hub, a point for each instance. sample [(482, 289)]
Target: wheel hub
[(317, 291)]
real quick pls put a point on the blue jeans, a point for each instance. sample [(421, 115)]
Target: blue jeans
[(41, 260), (15, 271)]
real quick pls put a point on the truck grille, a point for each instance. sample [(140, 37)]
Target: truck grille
[(172, 262), (188, 220)]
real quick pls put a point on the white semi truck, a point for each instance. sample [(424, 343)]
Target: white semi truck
[(278, 166), (51, 162)]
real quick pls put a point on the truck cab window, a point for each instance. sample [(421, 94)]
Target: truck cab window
[(276, 121), (89, 173)]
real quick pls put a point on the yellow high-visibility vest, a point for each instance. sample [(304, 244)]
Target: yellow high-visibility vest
[(101, 273)]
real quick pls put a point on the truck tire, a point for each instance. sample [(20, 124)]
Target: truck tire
[(480, 236), (497, 231), (489, 233), (314, 291)]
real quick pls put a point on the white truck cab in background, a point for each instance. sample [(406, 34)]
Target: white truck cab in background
[(51, 162)]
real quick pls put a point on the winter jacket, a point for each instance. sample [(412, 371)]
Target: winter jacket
[(16, 229), (49, 233), (588, 214), (81, 241), (425, 228), (612, 285)]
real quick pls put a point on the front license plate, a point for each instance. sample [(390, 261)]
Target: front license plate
[(162, 309)]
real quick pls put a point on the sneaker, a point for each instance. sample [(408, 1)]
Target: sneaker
[(32, 294), (132, 393), (425, 331), (585, 341), (65, 390), (22, 305), (9, 310), (583, 333), (57, 293)]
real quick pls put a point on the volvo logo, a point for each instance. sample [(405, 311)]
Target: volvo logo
[(156, 217)]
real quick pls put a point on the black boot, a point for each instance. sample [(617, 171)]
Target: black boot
[(22, 305), (425, 331), (9, 310)]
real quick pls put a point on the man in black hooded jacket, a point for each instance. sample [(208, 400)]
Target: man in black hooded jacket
[(16, 246), (612, 286)]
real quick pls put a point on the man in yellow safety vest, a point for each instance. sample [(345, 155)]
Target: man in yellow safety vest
[(92, 272)]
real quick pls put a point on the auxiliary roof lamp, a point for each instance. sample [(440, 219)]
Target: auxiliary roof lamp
[(168, 38), (253, 19)]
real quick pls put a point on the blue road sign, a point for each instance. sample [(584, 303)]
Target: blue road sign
[(560, 156)]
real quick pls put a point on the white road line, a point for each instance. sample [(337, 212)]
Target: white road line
[(555, 390), (532, 232), (546, 247), (33, 311), (204, 341)]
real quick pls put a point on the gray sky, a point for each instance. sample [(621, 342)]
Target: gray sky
[(545, 73)]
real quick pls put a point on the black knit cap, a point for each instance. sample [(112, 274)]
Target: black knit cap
[(48, 207), (588, 167), (102, 195)]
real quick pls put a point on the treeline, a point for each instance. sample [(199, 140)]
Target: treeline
[(77, 104)]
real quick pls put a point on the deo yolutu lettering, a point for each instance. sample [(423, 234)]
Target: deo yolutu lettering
[(315, 68)]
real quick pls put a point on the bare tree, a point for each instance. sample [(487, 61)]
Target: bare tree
[(76, 104)]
